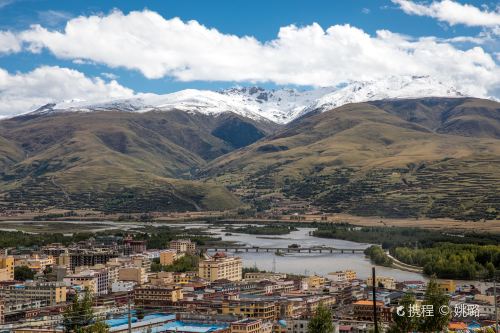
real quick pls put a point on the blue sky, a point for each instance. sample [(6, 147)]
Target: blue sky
[(376, 37)]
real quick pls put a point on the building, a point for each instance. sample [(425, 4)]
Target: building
[(168, 257), (382, 282), (95, 280), (122, 286), (297, 325), (52, 292), (363, 310), (157, 295), (36, 262), (183, 246), (6, 268), (161, 278), (254, 308), (220, 267), (2, 312), (83, 257), (264, 276), (54, 249), (342, 276), (143, 261), (251, 326), (315, 281), (134, 274), (132, 246), (447, 286)]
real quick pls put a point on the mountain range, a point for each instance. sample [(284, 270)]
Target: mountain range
[(278, 106), (402, 146)]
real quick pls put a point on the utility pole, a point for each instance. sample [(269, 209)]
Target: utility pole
[(129, 315), (495, 301), (374, 300)]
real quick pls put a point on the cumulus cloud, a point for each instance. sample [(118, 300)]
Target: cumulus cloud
[(9, 42), (23, 92), (308, 55), (452, 12)]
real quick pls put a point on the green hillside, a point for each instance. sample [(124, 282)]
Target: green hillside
[(401, 158)]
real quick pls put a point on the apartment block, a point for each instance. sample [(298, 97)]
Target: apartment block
[(52, 292), (220, 267), (134, 274), (168, 257), (183, 246), (96, 281), (157, 295)]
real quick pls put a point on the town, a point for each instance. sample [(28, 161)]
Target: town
[(118, 284)]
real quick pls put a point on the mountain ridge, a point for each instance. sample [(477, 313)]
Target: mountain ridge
[(279, 106)]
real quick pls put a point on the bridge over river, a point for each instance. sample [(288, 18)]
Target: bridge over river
[(257, 249)]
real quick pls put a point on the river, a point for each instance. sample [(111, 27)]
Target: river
[(310, 263), (296, 263)]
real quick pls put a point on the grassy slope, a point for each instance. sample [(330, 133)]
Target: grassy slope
[(77, 158), (363, 159)]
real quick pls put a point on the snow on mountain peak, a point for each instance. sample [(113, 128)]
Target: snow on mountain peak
[(393, 87), (276, 105)]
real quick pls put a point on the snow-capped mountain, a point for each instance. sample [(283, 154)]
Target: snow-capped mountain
[(279, 106)]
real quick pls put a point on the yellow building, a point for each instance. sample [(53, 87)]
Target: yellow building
[(135, 274), (161, 278), (184, 277), (36, 262), (220, 267), (157, 295), (183, 246), (168, 257), (350, 275), (382, 281), (258, 309), (6, 268), (52, 292), (447, 286), (315, 281)]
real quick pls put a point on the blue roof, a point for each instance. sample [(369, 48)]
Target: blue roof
[(121, 323), (191, 327)]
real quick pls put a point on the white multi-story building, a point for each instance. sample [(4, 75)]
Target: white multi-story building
[(95, 280)]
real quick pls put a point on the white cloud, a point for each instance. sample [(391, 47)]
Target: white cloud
[(9, 43), (23, 92), (308, 55), (452, 12), (365, 10)]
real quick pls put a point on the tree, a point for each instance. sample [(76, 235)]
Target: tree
[(140, 313), (23, 273), (79, 316), (98, 327), (403, 322), (437, 299), (322, 321)]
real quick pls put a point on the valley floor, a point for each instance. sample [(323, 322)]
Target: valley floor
[(451, 225)]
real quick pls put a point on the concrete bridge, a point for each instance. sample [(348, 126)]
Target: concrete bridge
[(257, 249)]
